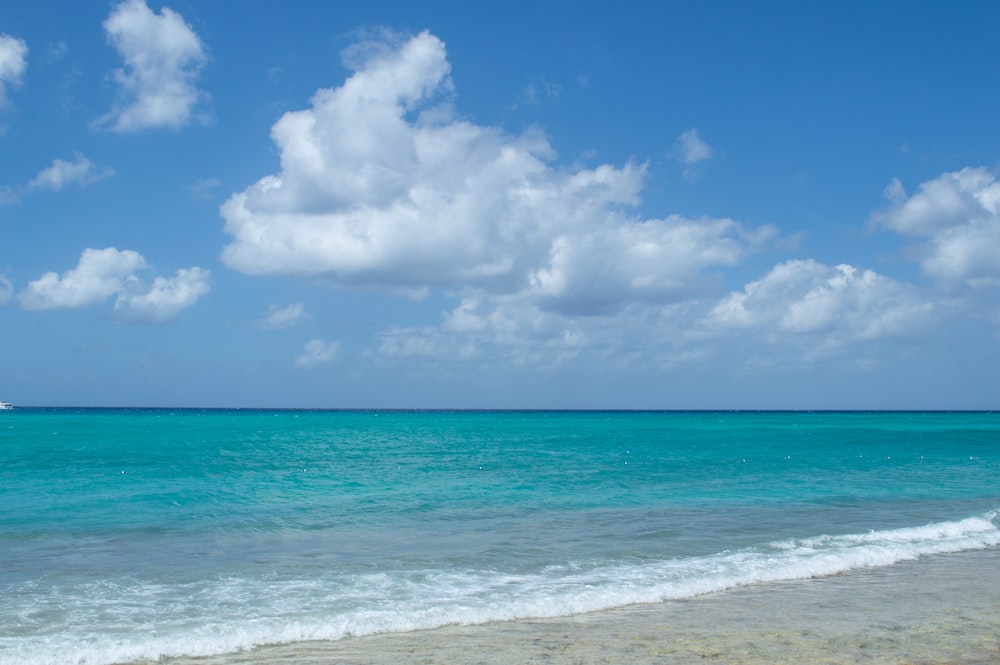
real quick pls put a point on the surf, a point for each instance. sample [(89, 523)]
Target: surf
[(114, 621)]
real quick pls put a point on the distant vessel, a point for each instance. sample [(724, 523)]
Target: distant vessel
[(6, 406)]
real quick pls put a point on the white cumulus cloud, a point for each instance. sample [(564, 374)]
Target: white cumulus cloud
[(13, 64), (102, 273), (99, 274), (958, 216), (838, 303), (801, 311), (318, 352), (604, 269), (165, 298), (163, 57), (383, 185)]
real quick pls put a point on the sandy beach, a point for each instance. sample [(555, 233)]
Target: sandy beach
[(941, 609)]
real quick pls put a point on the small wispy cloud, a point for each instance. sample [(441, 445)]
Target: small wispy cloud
[(58, 51), (691, 150), (273, 74), (540, 92), (318, 352), (203, 188), (6, 290), (81, 171), (283, 317)]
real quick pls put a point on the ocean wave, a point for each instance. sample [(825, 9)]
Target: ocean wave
[(115, 621)]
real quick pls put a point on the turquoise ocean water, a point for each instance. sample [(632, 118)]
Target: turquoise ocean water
[(132, 534)]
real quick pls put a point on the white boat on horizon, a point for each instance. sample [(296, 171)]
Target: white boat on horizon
[(6, 406)]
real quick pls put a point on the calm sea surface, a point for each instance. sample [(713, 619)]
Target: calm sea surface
[(138, 534)]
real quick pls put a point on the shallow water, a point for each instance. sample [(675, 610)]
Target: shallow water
[(139, 534), (941, 609)]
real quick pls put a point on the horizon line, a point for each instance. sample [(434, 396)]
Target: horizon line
[(446, 409)]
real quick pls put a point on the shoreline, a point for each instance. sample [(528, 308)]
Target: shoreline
[(935, 610)]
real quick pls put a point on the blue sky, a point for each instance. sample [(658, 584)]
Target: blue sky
[(506, 205)]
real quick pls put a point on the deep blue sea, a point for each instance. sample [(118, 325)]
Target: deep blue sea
[(130, 534)]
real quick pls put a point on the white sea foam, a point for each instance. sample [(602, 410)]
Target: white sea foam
[(114, 622)]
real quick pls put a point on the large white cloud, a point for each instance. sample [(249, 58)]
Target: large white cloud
[(383, 185), (838, 304), (958, 215), (802, 304), (163, 57), (13, 63), (102, 273)]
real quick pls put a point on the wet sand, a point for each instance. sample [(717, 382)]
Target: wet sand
[(941, 609)]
